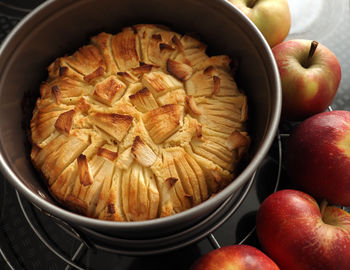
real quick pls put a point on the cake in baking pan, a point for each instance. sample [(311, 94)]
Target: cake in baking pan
[(138, 125)]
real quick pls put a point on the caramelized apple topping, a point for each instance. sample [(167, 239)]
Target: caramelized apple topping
[(64, 121), (124, 48), (159, 82), (57, 94), (157, 37), (83, 106), (143, 100), (239, 142), (164, 46), (138, 125), (145, 68), (236, 140), (191, 104), (199, 131), (110, 208), (95, 74), (127, 77), (106, 153), (171, 181), (178, 43), (180, 70), (216, 90), (189, 198), (87, 60), (109, 90), (117, 125), (216, 176), (143, 153), (63, 71), (125, 159), (85, 176), (164, 121), (209, 70)]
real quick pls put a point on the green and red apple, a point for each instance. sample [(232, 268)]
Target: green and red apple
[(297, 234), (318, 156), (238, 257), (271, 17), (310, 76)]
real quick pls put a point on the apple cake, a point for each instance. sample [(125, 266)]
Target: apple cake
[(138, 125)]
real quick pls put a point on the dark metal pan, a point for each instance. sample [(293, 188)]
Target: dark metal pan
[(59, 27)]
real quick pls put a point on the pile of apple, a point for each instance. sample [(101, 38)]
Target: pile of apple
[(302, 228)]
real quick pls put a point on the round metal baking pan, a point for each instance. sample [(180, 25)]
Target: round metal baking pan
[(151, 246), (59, 27), (135, 247)]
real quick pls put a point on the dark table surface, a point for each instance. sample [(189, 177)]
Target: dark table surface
[(20, 248)]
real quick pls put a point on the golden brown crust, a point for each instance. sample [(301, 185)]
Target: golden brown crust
[(164, 121), (127, 77), (102, 42), (180, 70), (191, 104), (124, 47), (116, 125), (85, 61), (64, 121), (160, 83), (138, 125), (143, 100), (84, 171), (143, 153), (82, 106), (106, 153), (216, 89), (95, 74), (57, 93), (109, 90), (143, 68)]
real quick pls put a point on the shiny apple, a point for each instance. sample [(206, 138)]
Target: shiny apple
[(272, 17), (310, 75), (299, 235), (318, 156), (238, 257)]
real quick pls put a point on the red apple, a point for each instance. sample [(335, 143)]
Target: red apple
[(310, 76), (318, 156), (298, 235), (240, 257), (271, 17)]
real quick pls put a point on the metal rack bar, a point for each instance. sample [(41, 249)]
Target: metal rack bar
[(9, 258), (213, 241), (9, 6), (3, 255), (43, 240), (76, 254)]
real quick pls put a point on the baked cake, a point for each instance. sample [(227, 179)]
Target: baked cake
[(138, 125)]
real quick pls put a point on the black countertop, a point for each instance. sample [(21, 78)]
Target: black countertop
[(20, 247)]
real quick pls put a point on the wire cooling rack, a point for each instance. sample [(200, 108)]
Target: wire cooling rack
[(84, 244), (335, 36)]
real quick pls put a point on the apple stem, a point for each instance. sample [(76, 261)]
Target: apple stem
[(312, 50), (323, 207), (252, 3)]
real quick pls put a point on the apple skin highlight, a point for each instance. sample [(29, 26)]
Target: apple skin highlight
[(308, 87), (294, 233), (271, 17), (318, 156), (235, 257)]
